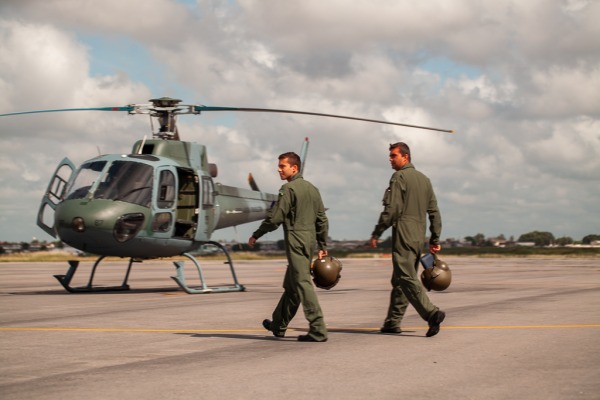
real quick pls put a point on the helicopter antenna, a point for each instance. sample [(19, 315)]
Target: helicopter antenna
[(142, 145), (151, 125)]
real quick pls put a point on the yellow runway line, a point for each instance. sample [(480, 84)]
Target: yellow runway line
[(524, 326), (144, 330)]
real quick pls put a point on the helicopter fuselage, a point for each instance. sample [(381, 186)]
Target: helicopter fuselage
[(158, 201)]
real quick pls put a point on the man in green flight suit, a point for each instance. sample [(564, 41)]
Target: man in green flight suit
[(300, 209), (407, 201)]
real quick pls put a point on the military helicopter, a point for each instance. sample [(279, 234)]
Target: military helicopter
[(159, 201)]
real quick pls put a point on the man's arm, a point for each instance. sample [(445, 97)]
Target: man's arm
[(322, 229), (392, 202), (275, 216), (435, 222)]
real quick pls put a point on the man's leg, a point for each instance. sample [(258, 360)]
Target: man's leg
[(412, 288), (300, 257), (288, 304), (312, 311), (398, 305)]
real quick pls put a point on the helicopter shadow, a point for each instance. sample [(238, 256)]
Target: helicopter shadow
[(99, 290)]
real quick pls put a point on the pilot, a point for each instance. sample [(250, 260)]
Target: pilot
[(300, 209), (406, 203)]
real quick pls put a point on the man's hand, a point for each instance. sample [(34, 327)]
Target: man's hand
[(373, 242), (251, 242), (434, 248), (323, 253)]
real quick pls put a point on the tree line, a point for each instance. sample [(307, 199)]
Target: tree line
[(538, 238)]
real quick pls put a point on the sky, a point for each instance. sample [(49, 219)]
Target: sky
[(518, 82)]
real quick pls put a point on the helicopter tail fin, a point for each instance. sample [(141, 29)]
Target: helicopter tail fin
[(303, 154), (252, 183)]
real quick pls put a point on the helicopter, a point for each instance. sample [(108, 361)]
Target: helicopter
[(159, 201)]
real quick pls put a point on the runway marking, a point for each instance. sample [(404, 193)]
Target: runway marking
[(148, 330), (145, 330), (525, 326)]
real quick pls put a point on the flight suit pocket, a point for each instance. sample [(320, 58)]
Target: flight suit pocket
[(387, 196)]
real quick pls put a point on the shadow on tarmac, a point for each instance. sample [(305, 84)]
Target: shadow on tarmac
[(294, 337)]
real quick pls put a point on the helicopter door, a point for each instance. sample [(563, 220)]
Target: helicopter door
[(54, 195), (166, 201), (186, 222), (208, 209)]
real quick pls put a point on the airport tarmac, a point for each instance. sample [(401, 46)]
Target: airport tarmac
[(516, 328)]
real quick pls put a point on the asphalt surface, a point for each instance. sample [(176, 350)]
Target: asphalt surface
[(516, 328)]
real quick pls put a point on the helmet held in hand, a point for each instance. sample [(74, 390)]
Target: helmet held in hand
[(437, 278), (326, 272)]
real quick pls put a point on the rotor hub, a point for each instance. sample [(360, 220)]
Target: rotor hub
[(165, 102)]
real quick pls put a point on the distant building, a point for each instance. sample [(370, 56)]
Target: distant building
[(525, 244)]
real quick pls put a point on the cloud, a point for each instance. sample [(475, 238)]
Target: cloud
[(519, 82)]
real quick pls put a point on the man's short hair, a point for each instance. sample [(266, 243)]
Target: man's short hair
[(402, 148), (292, 158)]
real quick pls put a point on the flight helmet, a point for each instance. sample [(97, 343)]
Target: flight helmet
[(437, 278), (326, 272)]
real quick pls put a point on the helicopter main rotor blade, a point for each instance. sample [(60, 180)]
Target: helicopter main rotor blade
[(211, 108), (175, 109), (120, 108)]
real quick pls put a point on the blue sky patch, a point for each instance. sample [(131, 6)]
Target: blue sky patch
[(111, 55), (447, 68)]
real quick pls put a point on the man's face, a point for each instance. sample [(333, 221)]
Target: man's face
[(286, 171), (397, 160)]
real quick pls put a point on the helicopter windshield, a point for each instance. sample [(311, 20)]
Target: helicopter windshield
[(127, 181), (124, 181), (86, 176)]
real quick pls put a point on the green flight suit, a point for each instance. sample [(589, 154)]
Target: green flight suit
[(300, 209), (406, 203)]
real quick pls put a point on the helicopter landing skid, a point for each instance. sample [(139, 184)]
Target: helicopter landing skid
[(180, 279), (65, 280)]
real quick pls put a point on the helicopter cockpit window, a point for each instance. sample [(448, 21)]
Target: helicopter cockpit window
[(166, 190), (127, 181), (86, 176)]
